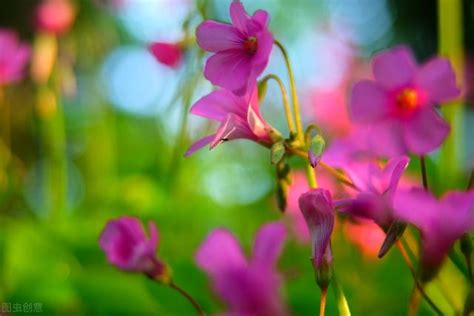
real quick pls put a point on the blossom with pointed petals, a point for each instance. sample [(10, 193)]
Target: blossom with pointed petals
[(441, 222), (169, 54), (399, 106), (248, 287), (126, 245), (239, 117), (241, 50), (318, 211), (14, 56), (376, 187), (55, 16)]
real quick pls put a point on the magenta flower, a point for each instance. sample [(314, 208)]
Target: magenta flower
[(55, 16), (441, 222), (377, 187), (248, 287), (239, 117), (169, 54), (127, 247), (399, 106), (318, 211), (13, 57), (242, 50)]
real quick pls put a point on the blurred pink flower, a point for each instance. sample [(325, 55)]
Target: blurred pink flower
[(242, 50), (318, 211), (14, 56), (169, 54), (248, 287), (366, 235), (239, 117), (441, 222), (399, 106), (55, 16), (126, 245), (377, 187)]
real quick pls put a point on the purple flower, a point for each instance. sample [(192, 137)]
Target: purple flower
[(13, 57), (441, 222), (248, 287), (318, 211), (239, 117), (399, 106), (377, 188), (127, 247), (242, 50)]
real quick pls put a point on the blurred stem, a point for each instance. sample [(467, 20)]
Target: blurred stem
[(294, 95), (409, 263), (424, 175), (322, 304), (470, 183), (341, 300), (311, 176), (286, 104), (450, 45), (415, 300), (188, 296)]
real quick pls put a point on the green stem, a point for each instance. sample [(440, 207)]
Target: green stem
[(286, 104), (341, 300), (424, 175), (188, 296), (294, 95)]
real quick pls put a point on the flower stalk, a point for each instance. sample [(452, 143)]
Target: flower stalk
[(188, 296)]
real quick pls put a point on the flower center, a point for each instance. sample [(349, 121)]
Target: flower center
[(408, 99), (251, 45)]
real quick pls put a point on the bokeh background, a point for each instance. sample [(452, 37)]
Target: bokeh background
[(106, 136)]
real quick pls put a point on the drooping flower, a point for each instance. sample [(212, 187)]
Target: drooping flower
[(55, 16), (239, 117), (377, 187), (399, 106), (14, 56), (248, 287), (169, 54), (318, 210), (441, 222), (126, 245), (242, 49)]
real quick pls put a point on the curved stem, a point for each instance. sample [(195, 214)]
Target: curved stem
[(341, 300), (188, 296), (286, 104), (424, 174), (322, 304), (294, 96)]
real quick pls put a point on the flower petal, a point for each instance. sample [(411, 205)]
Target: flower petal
[(268, 244), (233, 128), (386, 138), (262, 17), (438, 80), (218, 104), (214, 36), (229, 69), (425, 132), (395, 67), (369, 102), (240, 18), (220, 252), (415, 206), (199, 144), (393, 172)]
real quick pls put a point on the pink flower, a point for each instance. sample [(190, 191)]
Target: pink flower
[(441, 222), (239, 117), (127, 247), (399, 106), (318, 211), (55, 16), (169, 54), (13, 57), (248, 287), (377, 188), (242, 50)]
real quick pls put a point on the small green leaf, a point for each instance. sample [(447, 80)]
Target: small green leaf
[(277, 152)]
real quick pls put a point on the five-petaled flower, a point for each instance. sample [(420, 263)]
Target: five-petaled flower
[(248, 287), (13, 57), (239, 117), (399, 106), (441, 222), (127, 247), (242, 50)]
